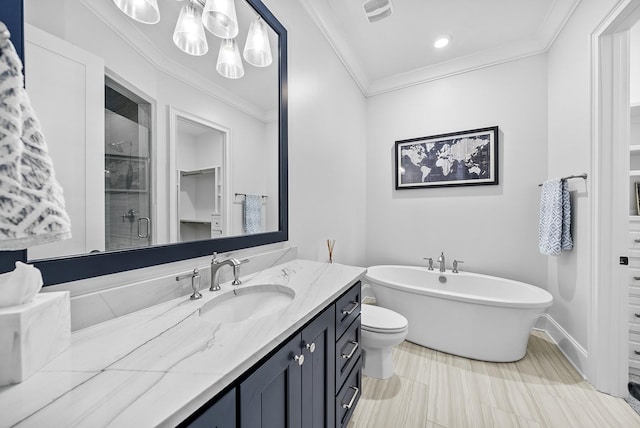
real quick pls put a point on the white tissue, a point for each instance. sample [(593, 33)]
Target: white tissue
[(20, 285)]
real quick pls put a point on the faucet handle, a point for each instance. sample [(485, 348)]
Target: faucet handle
[(455, 266), (215, 257), (195, 283), (430, 262)]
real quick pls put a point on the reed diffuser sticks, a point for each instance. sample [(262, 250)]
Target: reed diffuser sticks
[(330, 244)]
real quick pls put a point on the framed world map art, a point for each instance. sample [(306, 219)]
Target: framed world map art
[(465, 158)]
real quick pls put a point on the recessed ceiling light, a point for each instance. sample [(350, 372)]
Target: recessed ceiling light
[(442, 42)]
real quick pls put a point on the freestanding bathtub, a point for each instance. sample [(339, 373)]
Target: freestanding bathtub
[(475, 316)]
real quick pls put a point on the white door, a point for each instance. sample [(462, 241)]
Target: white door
[(66, 87)]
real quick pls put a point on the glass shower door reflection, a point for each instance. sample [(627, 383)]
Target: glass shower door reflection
[(127, 172)]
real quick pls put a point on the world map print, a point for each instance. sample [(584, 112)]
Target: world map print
[(456, 159)]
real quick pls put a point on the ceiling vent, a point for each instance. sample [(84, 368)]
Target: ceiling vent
[(377, 10)]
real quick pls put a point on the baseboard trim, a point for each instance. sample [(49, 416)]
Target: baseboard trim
[(570, 348)]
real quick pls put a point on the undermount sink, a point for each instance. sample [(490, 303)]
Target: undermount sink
[(245, 303)]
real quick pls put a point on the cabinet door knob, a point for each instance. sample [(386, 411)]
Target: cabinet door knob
[(299, 359), (636, 352), (637, 278), (311, 347), (637, 315), (353, 350), (637, 240), (353, 399)]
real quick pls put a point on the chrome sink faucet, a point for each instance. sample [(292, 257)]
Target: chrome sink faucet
[(441, 262), (215, 268)]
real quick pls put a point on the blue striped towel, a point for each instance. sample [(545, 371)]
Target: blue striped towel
[(252, 214), (554, 233)]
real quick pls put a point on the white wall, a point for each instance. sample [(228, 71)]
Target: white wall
[(492, 228), (569, 76), (327, 145)]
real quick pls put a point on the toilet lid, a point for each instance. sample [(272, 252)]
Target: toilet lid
[(376, 318)]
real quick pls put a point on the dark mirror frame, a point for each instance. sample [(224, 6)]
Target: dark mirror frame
[(65, 269)]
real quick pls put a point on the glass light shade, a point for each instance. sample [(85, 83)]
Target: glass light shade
[(257, 50), (219, 17), (229, 62), (189, 33), (145, 11)]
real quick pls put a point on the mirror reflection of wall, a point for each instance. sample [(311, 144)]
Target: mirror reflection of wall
[(70, 46)]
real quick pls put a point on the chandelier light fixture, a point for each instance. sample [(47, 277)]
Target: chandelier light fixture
[(220, 19), (144, 11), (189, 33)]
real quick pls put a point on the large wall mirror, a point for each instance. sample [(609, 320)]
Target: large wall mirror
[(169, 137)]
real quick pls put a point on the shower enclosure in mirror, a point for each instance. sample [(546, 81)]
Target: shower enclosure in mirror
[(149, 142)]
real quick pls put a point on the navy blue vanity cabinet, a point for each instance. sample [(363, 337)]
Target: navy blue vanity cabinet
[(295, 387), (222, 414), (318, 371), (348, 360), (310, 381)]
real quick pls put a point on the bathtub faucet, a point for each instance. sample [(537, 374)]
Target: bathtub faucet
[(441, 262), (429, 262), (455, 265)]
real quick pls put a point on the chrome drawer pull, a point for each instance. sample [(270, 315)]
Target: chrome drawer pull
[(350, 311), (353, 350), (637, 240), (636, 352), (637, 315), (637, 278), (353, 399)]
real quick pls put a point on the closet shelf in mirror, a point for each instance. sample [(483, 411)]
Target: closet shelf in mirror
[(198, 171), (189, 220)]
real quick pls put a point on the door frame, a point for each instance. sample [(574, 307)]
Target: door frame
[(608, 368), (174, 115)]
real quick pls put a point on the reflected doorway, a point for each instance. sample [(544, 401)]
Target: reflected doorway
[(127, 160)]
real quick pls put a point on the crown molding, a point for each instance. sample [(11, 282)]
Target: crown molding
[(538, 43)]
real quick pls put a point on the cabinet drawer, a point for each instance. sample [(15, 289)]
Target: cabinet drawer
[(634, 351), (347, 352), (634, 276), (347, 309), (634, 240), (634, 314), (349, 395)]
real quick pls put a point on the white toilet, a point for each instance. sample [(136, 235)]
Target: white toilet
[(382, 329)]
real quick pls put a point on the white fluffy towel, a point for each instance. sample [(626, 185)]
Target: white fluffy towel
[(31, 203)]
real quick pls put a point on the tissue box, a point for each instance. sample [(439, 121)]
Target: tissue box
[(33, 334)]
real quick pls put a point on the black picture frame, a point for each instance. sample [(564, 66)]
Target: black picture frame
[(462, 158)]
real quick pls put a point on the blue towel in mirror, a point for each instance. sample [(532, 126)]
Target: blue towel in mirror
[(252, 214)]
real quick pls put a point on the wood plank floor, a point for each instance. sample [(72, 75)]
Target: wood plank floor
[(434, 389)]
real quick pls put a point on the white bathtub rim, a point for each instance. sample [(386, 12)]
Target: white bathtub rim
[(544, 302)]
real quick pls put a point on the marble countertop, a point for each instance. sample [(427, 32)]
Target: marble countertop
[(156, 366)]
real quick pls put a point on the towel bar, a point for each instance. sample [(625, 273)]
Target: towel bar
[(244, 194), (584, 176)]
